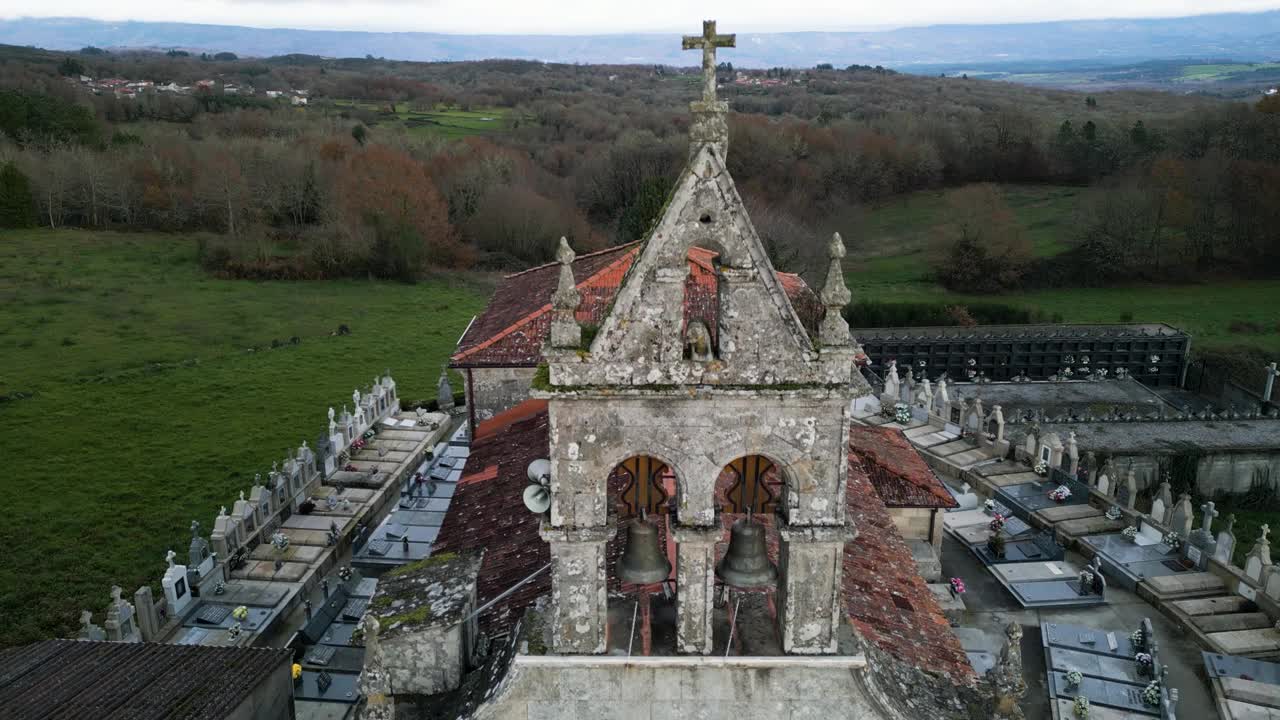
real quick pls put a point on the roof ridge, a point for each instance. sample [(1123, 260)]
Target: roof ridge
[(536, 313), (553, 263)]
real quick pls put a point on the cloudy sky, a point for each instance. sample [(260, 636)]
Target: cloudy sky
[(605, 16)]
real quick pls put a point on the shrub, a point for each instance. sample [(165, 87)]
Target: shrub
[(17, 207)]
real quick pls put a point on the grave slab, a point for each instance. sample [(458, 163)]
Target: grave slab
[(342, 687), (314, 522), (1245, 642), (294, 553), (1066, 711), (965, 459), (1069, 531), (1168, 587), (1234, 621), (1023, 478), (1036, 571), (1052, 515), (951, 448), (1244, 711), (1004, 467), (313, 538), (265, 570), (1214, 606)]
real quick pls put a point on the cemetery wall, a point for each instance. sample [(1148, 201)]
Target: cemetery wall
[(492, 390), (1235, 472)]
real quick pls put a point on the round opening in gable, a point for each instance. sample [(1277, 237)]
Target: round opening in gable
[(705, 219)]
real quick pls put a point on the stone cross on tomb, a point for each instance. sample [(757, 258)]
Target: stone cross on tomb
[(1272, 373), (169, 556), (1265, 530), (708, 41), (1209, 515), (195, 528)]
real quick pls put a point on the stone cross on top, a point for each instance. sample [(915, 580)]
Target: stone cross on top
[(1209, 515), (708, 41)]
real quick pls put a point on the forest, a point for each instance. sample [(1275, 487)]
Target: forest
[(368, 179)]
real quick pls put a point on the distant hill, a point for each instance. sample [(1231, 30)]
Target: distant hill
[(1241, 36)]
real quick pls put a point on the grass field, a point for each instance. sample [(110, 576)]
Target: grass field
[(146, 411), (449, 122), (890, 264), (1222, 71)]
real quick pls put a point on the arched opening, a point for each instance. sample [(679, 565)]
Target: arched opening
[(642, 614), (750, 490)]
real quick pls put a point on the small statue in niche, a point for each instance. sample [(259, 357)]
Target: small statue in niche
[(697, 342)]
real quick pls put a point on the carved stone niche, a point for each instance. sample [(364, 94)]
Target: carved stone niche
[(698, 345)]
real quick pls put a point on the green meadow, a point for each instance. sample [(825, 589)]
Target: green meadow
[(890, 263), (139, 393), (448, 122)]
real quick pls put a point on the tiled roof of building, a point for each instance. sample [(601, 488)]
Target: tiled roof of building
[(515, 324), (900, 476), (487, 511), (131, 681), (884, 595)]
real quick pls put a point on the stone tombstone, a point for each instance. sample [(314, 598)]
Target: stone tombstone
[(1124, 497), (145, 607), (1271, 582), (89, 631), (1226, 542), (1130, 489), (177, 591), (1162, 504), (1259, 557), (1104, 484), (244, 512), (120, 625), (226, 534), (1202, 538), (967, 498), (1182, 516), (444, 392), (198, 555)]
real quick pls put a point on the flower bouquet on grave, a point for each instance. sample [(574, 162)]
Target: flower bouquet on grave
[(1113, 513), (1074, 678), (989, 506), (1060, 494), (1151, 694), (1041, 468), (1138, 639), (1086, 581), (297, 673), (358, 444), (997, 523), (1144, 663), (350, 468), (368, 434), (241, 613), (1173, 540), (343, 457), (345, 573), (280, 541), (957, 587), (902, 413), (1130, 533), (1080, 708)]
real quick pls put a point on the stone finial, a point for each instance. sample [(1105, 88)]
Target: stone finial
[(444, 391), (565, 331), (835, 296), (169, 556)]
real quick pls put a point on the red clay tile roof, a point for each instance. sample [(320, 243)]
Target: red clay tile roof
[(900, 476), (884, 595), (131, 681), (515, 324), (487, 511)]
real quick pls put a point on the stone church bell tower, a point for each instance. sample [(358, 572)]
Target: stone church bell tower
[(743, 385)]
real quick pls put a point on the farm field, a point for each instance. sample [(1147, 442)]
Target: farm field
[(889, 263), (447, 122), (132, 404)]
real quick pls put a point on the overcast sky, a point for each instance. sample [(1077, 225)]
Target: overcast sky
[(611, 16)]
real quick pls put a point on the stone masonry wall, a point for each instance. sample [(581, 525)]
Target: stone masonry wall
[(424, 663), (493, 390), (804, 434), (679, 691)]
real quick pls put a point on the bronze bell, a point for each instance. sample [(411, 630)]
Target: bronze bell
[(643, 562), (746, 563)]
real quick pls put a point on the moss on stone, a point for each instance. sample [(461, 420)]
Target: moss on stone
[(416, 616), (413, 567)]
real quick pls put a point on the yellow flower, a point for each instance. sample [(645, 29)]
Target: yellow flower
[(297, 671)]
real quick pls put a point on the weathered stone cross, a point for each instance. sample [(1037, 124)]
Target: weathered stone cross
[(1209, 515), (708, 42), (1272, 372)]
